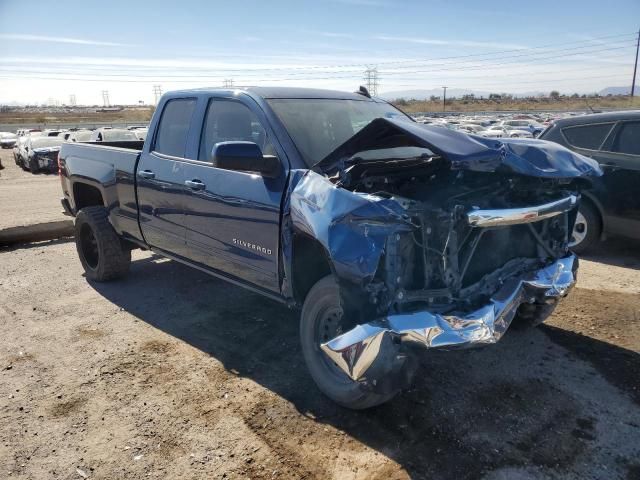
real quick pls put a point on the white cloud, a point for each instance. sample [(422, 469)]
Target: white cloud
[(42, 38), (453, 43)]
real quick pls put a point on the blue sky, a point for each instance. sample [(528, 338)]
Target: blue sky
[(49, 50)]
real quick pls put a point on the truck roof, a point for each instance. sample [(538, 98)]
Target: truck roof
[(279, 92)]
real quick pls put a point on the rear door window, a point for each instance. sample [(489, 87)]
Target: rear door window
[(173, 128), (627, 139), (589, 137)]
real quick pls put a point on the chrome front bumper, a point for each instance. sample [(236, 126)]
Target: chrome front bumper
[(356, 350)]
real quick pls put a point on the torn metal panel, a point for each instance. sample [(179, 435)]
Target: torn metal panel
[(355, 351), (535, 158), (352, 227)]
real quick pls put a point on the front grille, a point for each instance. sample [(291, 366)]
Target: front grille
[(496, 248)]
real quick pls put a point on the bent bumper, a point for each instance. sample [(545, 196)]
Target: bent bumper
[(356, 350)]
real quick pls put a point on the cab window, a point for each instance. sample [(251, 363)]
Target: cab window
[(173, 128), (230, 120)]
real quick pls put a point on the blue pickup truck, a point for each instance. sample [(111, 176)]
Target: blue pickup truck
[(388, 235)]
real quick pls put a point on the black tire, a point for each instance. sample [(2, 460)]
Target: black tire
[(33, 165), (533, 314), (589, 224), (101, 252), (322, 300)]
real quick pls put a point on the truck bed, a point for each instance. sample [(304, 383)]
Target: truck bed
[(110, 167)]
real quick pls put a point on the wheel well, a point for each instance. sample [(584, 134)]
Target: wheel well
[(310, 264), (597, 208), (86, 196)]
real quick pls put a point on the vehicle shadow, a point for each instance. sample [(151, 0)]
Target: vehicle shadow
[(469, 412), (616, 251)]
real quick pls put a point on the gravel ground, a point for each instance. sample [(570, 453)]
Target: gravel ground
[(25, 198), (171, 373)]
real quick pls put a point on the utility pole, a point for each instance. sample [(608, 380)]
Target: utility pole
[(372, 80), (105, 98), (157, 93), (444, 99), (635, 68), (228, 83)]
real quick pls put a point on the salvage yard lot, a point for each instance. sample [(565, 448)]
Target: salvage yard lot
[(171, 373)]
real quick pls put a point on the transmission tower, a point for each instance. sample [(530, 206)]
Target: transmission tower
[(105, 98), (72, 100), (371, 79), (228, 83), (157, 93)]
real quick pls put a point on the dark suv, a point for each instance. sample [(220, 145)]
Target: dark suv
[(613, 205)]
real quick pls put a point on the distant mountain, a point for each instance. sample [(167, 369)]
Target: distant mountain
[(619, 91), (425, 94)]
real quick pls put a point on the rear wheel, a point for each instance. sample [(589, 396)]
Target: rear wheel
[(101, 252), (586, 230), (321, 320)]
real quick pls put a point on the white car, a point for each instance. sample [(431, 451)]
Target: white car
[(528, 125), (8, 139), (497, 131)]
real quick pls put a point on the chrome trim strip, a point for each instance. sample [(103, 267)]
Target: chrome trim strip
[(515, 216)]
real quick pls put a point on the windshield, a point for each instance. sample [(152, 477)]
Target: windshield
[(318, 126), (42, 142)]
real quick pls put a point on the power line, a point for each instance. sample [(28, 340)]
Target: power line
[(545, 49), (82, 77)]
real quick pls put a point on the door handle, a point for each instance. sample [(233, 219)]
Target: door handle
[(195, 184), (146, 174)]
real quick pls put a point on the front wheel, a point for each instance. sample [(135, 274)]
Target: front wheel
[(320, 321), (101, 252), (33, 165)]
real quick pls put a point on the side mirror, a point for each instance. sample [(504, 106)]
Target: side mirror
[(244, 157)]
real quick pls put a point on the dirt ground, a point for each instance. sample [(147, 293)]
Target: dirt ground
[(25, 198), (171, 373)]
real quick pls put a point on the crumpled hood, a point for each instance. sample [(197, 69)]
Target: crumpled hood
[(536, 158)]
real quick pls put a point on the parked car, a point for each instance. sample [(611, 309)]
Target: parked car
[(389, 235), (612, 207), (112, 135), (22, 155), (498, 131), (8, 139), (140, 133), (532, 127), (76, 136), (42, 153)]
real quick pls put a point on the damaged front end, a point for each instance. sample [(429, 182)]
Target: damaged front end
[(436, 238)]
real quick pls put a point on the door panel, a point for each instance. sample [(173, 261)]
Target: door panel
[(233, 223), (161, 193), (232, 217), (620, 161), (160, 176)]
